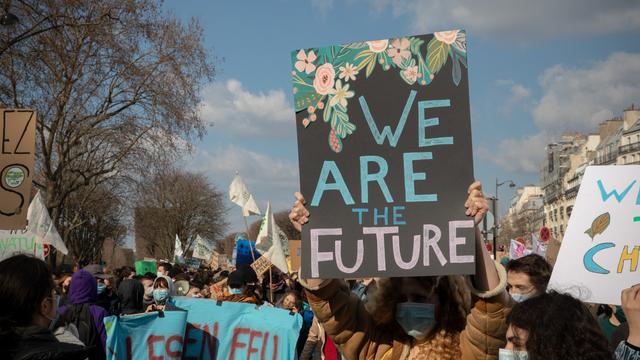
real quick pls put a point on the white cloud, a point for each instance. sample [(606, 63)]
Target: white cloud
[(517, 19), (518, 95), (230, 108), (574, 99), (525, 154), (579, 99)]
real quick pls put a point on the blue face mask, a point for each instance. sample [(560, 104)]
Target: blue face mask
[(505, 354), (520, 297), (233, 291), (101, 288), (417, 319), (160, 295)]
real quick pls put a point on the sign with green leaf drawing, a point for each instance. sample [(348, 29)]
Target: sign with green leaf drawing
[(384, 142)]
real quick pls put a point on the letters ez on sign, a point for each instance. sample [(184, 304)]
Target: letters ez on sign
[(384, 144), (17, 153)]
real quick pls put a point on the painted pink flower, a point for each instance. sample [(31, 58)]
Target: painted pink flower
[(324, 80), (411, 73), (305, 61), (348, 72), (447, 37), (378, 46), (399, 50)]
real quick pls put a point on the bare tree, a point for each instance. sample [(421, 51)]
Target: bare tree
[(184, 204), (115, 87)]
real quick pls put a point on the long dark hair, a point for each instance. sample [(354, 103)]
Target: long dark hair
[(24, 282), (560, 327)]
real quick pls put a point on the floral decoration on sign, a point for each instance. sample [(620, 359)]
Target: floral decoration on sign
[(322, 77)]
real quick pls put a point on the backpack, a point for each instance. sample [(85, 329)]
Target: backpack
[(80, 316)]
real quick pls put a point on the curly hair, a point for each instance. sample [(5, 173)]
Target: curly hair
[(534, 266), (452, 292), (560, 327)]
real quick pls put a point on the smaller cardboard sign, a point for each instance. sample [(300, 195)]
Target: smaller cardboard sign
[(261, 265), (17, 156), (145, 266), (21, 242), (294, 258), (600, 251)]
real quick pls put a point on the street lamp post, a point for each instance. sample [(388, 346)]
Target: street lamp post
[(496, 215)]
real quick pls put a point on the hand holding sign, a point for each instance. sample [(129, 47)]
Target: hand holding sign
[(631, 308), (299, 214), (476, 204)]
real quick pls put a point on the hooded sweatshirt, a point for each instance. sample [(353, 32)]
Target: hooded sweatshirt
[(84, 290), (130, 293), (172, 292)]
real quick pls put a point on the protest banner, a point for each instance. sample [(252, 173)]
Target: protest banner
[(385, 156), (261, 265), (16, 166), (294, 258), (145, 266), (238, 330), (193, 263), (149, 336), (13, 242), (600, 251), (200, 250), (516, 249), (214, 260)]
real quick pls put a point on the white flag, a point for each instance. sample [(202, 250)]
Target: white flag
[(270, 241), (239, 194), (517, 250), (177, 252), (40, 224), (200, 250)]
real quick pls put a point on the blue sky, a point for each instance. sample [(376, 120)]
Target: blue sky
[(536, 68)]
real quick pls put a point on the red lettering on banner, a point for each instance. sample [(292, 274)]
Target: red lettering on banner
[(235, 344), (174, 354), (250, 348), (128, 347), (264, 345), (275, 347), (151, 340)]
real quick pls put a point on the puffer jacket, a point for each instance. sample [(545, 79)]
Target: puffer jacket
[(356, 335)]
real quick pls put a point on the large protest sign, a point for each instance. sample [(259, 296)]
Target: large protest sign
[(145, 266), (17, 157), (600, 251), (201, 251), (294, 258), (14, 242), (238, 331), (384, 143), (149, 336)]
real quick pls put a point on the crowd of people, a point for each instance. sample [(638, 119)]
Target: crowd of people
[(501, 312)]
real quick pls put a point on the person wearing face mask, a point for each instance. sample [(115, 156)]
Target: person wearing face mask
[(554, 326), (163, 290), (432, 317), (164, 268), (527, 276), (28, 311), (242, 284), (87, 317), (107, 297), (147, 282)]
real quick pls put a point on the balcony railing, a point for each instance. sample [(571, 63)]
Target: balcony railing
[(625, 149), (606, 160)]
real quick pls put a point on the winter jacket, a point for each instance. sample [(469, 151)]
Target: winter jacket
[(353, 329), (83, 290), (38, 343)]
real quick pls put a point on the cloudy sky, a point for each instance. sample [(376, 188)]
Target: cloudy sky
[(536, 68)]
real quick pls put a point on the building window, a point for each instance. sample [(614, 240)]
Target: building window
[(561, 229), (561, 214)]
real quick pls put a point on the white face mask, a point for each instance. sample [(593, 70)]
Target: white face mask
[(506, 354), (521, 297)]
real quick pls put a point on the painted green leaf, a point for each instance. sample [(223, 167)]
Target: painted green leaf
[(371, 66), (456, 71), (437, 53), (328, 110)]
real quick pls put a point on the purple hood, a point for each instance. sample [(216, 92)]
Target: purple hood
[(83, 289)]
